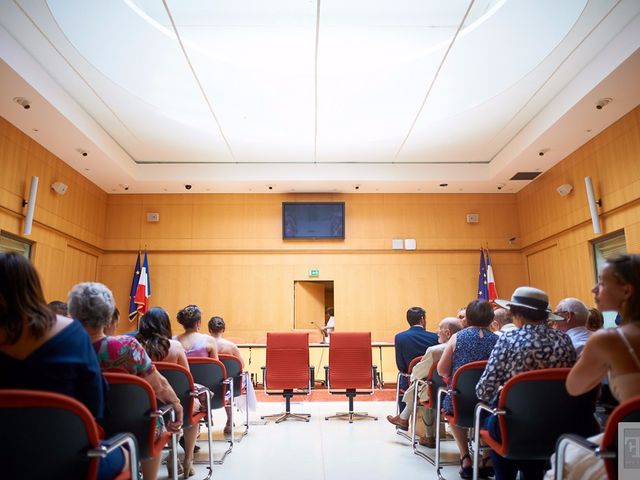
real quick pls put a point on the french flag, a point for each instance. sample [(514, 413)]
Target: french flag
[(492, 293), (143, 288)]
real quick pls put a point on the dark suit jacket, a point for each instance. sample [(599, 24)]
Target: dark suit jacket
[(412, 343)]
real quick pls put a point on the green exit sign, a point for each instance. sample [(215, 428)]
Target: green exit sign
[(314, 272)]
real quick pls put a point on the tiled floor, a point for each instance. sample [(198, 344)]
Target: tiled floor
[(321, 450)]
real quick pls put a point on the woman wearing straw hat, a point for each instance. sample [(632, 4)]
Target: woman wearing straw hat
[(532, 346)]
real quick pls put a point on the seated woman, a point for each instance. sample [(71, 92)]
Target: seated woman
[(614, 352), (40, 350), (471, 344), (533, 346), (93, 305), (195, 344), (154, 334)]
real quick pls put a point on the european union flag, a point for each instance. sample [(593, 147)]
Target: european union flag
[(483, 289)]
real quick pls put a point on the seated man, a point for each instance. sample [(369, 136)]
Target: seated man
[(575, 315), (502, 321), (412, 343), (446, 328)]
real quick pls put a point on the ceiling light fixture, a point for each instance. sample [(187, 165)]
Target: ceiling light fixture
[(82, 152), (444, 184)]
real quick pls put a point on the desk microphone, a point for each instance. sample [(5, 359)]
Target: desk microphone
[(321, 330)]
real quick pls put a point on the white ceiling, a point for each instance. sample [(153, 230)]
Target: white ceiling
[(304, 96)]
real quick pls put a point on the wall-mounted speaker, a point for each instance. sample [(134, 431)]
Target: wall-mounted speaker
[(31, 206), (564, 189), (59, 187), (593, 206)]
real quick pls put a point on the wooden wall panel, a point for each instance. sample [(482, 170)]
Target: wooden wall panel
[(612, 160), (63, 225)]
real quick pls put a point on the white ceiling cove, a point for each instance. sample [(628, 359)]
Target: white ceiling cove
[(316, 96)]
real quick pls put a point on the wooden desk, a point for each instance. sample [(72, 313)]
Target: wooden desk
[(255, 358)]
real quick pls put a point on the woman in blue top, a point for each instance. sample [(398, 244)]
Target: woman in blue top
[(40, 350), (472, 344)]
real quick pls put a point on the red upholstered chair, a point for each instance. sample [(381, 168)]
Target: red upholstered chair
[(287, 371), (350, 370), (627, 411), (536, 405), (212, 374), (233, 366), (433, 382), (48, 435), (182, 383), (400, 392), (132, 407), (464, 400)]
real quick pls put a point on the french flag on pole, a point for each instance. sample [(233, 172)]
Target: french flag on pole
[(143, 289), (140, 289), (492, 293)]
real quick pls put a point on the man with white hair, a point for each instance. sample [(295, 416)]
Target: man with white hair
[(575, 314), (503, 321), (446, 328)]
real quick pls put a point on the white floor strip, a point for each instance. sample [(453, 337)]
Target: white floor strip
[(321, 450)]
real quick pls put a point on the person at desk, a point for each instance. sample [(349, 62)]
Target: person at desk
[(329, 326)]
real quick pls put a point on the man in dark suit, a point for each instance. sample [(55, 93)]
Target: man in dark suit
[(413, 342)]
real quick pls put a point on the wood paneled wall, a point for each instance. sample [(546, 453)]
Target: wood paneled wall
[(68, 230), (226, 254), (556, 231)]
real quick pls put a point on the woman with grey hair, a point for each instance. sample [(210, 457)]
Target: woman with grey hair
[(93, 305)]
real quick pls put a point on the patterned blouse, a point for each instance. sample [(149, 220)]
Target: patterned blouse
[(123, 352), (532, 347)]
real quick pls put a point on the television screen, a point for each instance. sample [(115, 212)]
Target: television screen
[(312, 220)]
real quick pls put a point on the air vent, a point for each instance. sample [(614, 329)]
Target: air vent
[(525, 175)]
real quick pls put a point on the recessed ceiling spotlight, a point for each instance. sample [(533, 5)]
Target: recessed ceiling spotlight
[(444, 185), (124, 186), (82, 152), (270, 187), (356, 187), (35, 129), (603, 102), (543, 151), (500, 186), (23, 102)]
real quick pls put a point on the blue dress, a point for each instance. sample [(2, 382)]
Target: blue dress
[(470, 347), (66, 364)]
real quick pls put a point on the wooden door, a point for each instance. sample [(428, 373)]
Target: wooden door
[(309, 305)]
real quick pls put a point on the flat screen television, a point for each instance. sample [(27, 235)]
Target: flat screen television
[(312, 220)]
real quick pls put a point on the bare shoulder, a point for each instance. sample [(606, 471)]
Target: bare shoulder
[(60, 324)]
